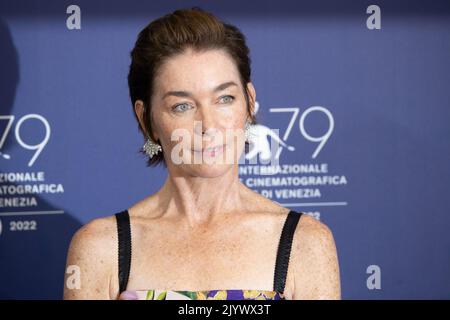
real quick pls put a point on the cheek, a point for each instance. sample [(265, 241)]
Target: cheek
[(233, 117), (232, 120), (168, 128), (234, 133), (178, 132)]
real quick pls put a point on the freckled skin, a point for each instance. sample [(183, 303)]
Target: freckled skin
[(204, 107), (203, 229)]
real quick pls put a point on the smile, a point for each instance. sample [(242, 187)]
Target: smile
[(213, 151)]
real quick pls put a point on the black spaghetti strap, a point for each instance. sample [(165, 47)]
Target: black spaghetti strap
[(284, 250), (124, 239)]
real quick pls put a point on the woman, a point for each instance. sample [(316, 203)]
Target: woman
[(203, 235)]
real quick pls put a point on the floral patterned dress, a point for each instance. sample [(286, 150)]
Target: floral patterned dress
[(209, 295)]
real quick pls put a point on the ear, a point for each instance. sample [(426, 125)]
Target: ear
[(139, 110), (252, 97)]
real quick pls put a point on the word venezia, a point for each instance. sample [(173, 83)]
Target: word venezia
[(228, 310)]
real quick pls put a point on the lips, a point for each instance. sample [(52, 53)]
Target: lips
[(211, 149)]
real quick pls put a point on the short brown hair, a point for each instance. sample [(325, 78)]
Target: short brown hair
[(172, 34)]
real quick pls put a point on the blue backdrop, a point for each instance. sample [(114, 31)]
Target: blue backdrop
[(360, 91)]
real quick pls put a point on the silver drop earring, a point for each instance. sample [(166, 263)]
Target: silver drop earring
[(151, 148), (247, 129)]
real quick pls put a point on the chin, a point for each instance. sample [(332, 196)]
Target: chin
[(208, 170)]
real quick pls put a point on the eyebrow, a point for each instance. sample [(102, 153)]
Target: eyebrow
[(182, 94)]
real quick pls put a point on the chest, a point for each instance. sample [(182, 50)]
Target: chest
[(240, 257)]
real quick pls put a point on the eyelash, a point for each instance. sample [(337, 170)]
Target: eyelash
[(176, 106)]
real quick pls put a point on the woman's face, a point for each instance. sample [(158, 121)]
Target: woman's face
[(195, 93)]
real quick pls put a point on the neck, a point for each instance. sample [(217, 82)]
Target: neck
[(200, 200)]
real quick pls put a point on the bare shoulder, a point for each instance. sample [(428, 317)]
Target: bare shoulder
[(95, 236), (91, 257), (314, 240), (313, 231), (314, 261)]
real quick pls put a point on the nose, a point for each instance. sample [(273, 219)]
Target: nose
[(205, 123)]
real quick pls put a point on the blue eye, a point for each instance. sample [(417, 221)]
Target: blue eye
[(232, 98), (179, 107)]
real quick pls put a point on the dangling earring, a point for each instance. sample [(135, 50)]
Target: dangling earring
[(248, 127), (151, 148)]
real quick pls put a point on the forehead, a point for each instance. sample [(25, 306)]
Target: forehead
[(196, 71)]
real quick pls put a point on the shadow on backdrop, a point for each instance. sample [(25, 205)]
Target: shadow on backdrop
[(32, 262)]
